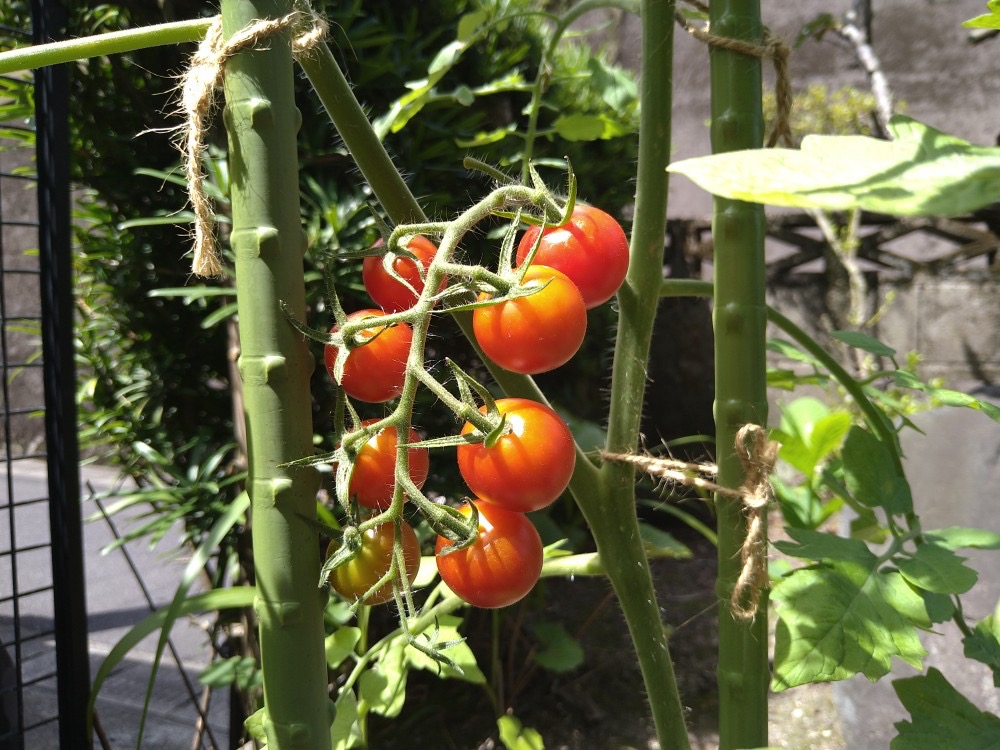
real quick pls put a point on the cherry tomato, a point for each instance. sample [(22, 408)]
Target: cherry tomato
[(354, 578), (529, 466), (374, 475), (591, 249), (375, 371), (501, 566), (536, 333), (387, 291)]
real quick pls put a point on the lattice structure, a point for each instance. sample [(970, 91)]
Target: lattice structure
[(43, 660)]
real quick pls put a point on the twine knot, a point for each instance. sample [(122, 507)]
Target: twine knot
[(197, 102)]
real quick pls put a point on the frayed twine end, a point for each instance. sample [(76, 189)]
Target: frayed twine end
[(758, 455), (197, 100)]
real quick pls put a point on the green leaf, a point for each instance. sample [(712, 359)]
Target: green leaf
[(947, 397), (340, 644), (663, 541), (344, 730), (922, 172), (469, 24), (957, 537), (809, 433), (558, 650), (485, 138), (819, 545), (840, 619), (515, 736), (937, 569), (617, 86), (989, 20), (239, 670), (383, 686), (254, 724), (870, 474), (941, 717), (864, 342), (458, 652), (983, 645), (581, 127)]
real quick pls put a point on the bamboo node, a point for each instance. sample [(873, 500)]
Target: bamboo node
[(197, 102), (771, 48)]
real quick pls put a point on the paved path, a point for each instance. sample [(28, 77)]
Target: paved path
[(115, 602)]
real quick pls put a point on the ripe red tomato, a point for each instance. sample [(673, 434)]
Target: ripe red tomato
[(355, 577), (388, 292), (374, 475), (536, 333), (529, 466), (591, 249), (501, 566), (375, 371)]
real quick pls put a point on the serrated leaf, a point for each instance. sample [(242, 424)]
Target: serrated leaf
[(941, 717), (516, 736), (937, 569), (871, 476), (840, 619), (819, 545), (340, 644), (791, 351), (238, 670), (485, 138), (864, 342), (983, 645), (947, 397), (922, 172), (558, 651), (617, 87), (957, 537)]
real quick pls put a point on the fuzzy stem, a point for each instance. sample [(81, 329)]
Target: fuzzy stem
[(275, 364), (114, 42), (610, 512)]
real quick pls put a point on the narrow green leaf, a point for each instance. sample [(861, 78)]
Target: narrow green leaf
[(922, 172), (947, 397), (864, 342), (582, 127), (840, 619), (469, 24), (937, 569), (941, 717)]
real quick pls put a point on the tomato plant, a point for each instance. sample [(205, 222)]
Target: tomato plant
[(374, 371), (355, 578), (502, 564), (528, 466), (374, 474), (591, 249), (535, 333), (387, 291)]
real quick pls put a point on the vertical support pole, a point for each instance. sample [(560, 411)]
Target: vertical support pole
[(59, 377), (740, 318), (275, 365)]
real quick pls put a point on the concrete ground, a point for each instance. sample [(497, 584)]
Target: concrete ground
[(115, 602)]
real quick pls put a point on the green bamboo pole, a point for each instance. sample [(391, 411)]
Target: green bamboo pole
[(739, 318), (275, 365)]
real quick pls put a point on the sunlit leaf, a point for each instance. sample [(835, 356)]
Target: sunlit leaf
[(941, 717)]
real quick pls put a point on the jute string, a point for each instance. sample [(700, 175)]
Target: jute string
[(197, 102), (757, 455), (771, 48)]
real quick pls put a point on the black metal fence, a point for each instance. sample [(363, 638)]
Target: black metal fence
[(44, 667)]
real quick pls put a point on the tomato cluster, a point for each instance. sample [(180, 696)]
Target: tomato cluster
[(519, 456)]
